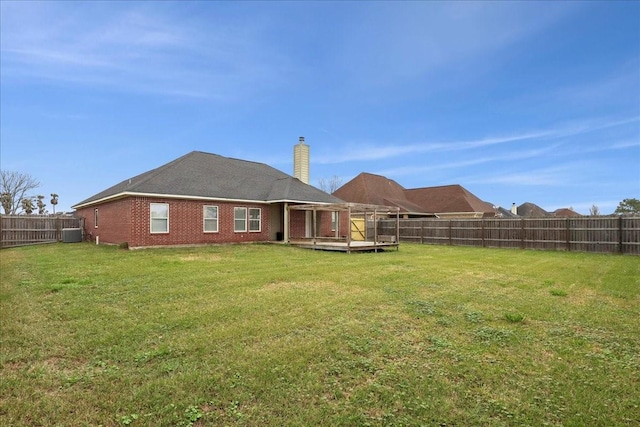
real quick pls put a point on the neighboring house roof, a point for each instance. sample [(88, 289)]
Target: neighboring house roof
[(368, 188), (448, 198), (210, 176), (532, 210), (505, 213), (565, 213), (380, 190)]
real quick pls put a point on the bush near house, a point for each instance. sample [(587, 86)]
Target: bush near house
[(272, 335)]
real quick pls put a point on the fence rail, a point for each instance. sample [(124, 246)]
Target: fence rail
[(588, 234), (21, 230)]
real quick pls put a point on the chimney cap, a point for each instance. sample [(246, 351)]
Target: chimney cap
[(301, 139)]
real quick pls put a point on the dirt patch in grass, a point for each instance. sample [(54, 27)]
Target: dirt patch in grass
[(200, 257)]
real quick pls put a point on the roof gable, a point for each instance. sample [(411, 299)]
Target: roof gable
[(529, 209), (368, 188), (565, 213), (205, 175)]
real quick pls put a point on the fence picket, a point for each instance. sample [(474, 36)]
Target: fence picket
[(587, 234), (20, 230)]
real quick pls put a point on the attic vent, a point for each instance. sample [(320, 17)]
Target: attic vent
[(301, 161)]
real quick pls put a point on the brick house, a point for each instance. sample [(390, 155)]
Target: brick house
[(203, 198), (446, 201)]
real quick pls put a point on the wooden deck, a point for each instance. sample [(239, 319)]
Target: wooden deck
[(343, 246)]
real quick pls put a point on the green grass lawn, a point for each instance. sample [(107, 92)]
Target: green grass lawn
[(270, 335)]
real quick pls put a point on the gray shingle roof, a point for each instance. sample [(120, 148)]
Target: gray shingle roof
[(211, 176)]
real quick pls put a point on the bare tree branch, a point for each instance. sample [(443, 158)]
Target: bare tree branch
[(330, 185), (13, 189)]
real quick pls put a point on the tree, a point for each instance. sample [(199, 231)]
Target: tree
[(628, 207), (27, 205), (5, 200), (594, 210), (54, 201), (330, 185), (41, 205), (13, 187)]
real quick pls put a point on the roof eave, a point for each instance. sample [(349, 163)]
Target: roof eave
[(165, 196)]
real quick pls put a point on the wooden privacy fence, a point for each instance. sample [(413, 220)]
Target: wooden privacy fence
[(20, 230), (588, 234)]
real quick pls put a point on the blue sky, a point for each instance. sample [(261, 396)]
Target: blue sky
[(516, 101)]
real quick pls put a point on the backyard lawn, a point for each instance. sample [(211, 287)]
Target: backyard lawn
[(270, 335)]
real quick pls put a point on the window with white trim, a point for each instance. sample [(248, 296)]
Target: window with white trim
[(210, 219), (95, 218), (335, 218), (239, 220), (159, 217), (255, 225)]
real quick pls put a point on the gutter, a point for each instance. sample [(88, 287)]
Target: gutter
[(183, 197)]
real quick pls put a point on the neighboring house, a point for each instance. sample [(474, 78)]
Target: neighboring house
[(448, 201), (202, 198), (505, 213), (368, 188), (531, 210), (565, 213)]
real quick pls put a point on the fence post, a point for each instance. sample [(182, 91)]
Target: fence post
[(568, 231), (522, 233), (450, 237), (58, 228), (620, 232), (422, 232), (482, 231)]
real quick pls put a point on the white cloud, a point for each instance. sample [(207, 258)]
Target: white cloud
[(508, 157), (135, 49), (370, 152), (553, 176)]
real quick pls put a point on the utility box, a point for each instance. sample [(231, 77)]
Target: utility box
[(71, 235)]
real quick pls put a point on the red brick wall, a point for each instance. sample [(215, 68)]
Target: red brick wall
[(128, 220), (323, 219), (296, 224), (345, 227), (114, 221)]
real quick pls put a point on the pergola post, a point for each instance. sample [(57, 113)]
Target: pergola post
[(397, 229), (314, 225), (349, 226), (287, 224)]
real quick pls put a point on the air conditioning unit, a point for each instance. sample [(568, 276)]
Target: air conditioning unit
[(71, 235)]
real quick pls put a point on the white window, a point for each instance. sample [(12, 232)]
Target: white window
[(95, 218), (239, 220), (335, 218), (210, 215), (159, 217), (254, 220)]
